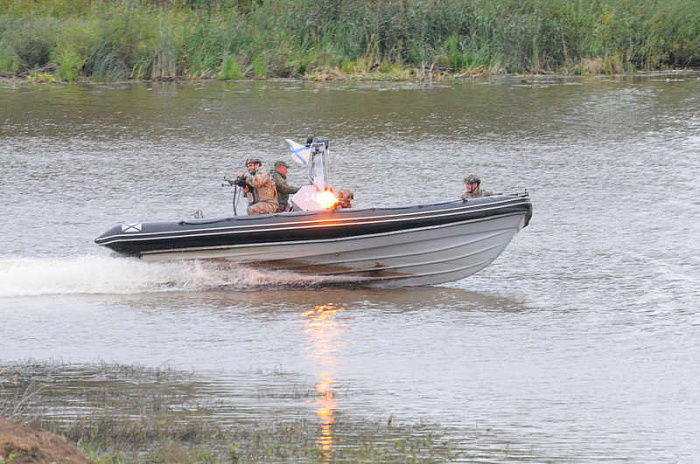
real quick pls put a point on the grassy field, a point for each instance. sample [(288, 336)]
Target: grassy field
[(71, 40)]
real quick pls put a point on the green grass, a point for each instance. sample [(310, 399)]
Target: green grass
[(234, 39)]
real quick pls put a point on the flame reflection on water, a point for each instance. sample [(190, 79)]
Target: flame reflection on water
[(324, 330)]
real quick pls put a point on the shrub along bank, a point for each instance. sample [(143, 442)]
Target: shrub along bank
[(105, 40)]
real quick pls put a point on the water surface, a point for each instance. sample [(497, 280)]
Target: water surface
[(579, 344)]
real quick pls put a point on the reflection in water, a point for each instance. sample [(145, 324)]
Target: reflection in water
[(324, 332)]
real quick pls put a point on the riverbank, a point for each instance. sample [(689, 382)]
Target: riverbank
[(62, 41), (22, 445), (119, 414), (369, 80)]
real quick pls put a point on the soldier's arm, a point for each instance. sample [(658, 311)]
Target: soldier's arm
[(281, 184), (284, 187)]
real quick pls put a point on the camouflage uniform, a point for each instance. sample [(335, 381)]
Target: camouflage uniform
[(470, 179), (345, 196), (283, 189), (479, 193), (264, 194)]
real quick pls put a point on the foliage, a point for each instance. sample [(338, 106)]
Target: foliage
[(232, 39)]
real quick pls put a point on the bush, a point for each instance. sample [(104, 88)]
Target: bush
[(198, 38), (27, 43), (230, 69), (69, 63)]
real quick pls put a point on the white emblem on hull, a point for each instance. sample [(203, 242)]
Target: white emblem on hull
[(136, 227)]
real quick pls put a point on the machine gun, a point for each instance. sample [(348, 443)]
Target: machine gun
[(236, 183)]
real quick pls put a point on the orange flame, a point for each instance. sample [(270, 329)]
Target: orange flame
[(327, 199)]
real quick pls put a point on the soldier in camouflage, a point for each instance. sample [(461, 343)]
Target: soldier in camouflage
[(260, 188), (474, 190), (279, 174), (345, 197)]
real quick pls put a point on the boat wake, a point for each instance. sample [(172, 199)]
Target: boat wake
[(123, 276)]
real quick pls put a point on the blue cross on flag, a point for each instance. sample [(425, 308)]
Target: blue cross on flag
[(300, 153)]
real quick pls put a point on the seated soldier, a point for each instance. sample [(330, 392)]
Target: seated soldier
[(473, 184), (345, 196)]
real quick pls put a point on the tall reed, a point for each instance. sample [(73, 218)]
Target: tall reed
[(229, 39)]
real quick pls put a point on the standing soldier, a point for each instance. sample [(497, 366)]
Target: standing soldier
[(279, 174), (473, 184), (260, 188)]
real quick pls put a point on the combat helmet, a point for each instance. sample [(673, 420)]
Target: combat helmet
[(253, 159), (472, 178), (345, 194)]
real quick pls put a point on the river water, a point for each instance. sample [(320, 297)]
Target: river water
[(581, 343)]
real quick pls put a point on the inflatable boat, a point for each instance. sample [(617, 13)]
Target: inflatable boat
[(387, 246)]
